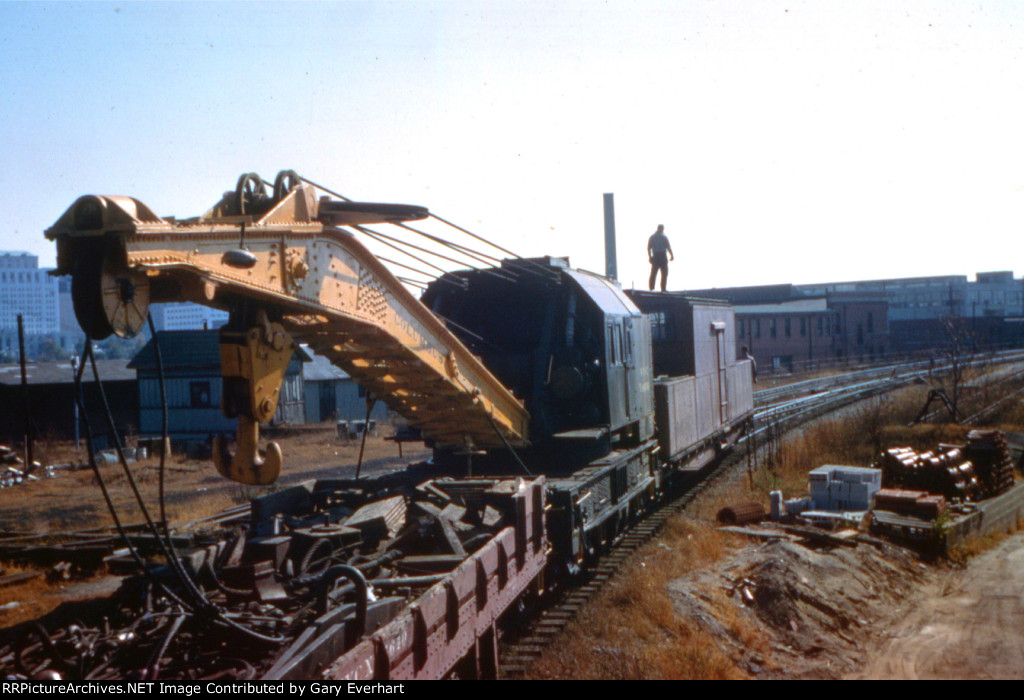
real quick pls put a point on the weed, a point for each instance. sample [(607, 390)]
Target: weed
[(632, 630), (970, 547)]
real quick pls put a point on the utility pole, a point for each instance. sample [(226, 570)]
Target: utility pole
[(29, 432)]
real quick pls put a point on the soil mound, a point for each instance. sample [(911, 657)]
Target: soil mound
[(813, 607)]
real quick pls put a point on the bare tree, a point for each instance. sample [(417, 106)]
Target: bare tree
[(958, 349), (947, 378)]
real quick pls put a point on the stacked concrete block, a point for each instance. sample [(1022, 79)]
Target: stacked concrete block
[(796, 506), (836, 487)]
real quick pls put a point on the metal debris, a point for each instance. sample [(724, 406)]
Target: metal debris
[(980, 469), (741, 514), (319, 566)]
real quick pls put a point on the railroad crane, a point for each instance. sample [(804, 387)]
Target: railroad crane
[(287, 270), (548, 373)]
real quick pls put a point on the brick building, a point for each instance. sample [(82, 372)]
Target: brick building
[(788, 334), (917, 308)]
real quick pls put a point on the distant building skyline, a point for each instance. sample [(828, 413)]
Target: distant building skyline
[(45, 303), (28, 290), (186, 316), (867, 319), (991, 294)]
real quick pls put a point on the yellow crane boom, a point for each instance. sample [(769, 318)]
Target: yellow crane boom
[(308, 278)]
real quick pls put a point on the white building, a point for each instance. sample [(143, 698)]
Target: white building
[(185, 316), (32, 293), (27, 290)]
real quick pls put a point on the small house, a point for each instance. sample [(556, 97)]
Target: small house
[(192, 376), (331, 394), (49, 401)]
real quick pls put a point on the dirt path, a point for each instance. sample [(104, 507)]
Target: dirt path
[(970, 627)]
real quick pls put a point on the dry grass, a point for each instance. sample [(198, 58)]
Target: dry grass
[(633, 632), (1011, 417), (194, 489), (36, 597), (73, 501), (854, 438), (974, 546)]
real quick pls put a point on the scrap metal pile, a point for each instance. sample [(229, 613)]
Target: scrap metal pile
[(13, 471), (944, 472), (980, 469), (319, 566)]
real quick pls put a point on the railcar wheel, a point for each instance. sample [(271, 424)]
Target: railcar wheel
[(108, 300)]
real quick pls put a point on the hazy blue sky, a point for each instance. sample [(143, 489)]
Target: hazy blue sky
[(776, 141)]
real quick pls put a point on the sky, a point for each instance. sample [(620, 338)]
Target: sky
[(776, 141)]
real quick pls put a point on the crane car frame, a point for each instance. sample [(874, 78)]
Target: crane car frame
[(532, 378)]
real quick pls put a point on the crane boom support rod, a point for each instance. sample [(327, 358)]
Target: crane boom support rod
[(298, 263)]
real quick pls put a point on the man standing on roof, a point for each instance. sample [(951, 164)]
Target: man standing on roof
[(659, 252)]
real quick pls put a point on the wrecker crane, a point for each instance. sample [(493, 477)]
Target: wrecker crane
[(288, 268)]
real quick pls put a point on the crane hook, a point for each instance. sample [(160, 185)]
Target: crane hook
[(253, 362), (249, 465)]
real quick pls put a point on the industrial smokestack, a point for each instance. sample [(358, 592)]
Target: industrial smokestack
[(610, 265)]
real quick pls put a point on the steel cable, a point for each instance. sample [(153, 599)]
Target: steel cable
[(377, 235), (80, 397), (529, 265), (205, 607), (175, 562)]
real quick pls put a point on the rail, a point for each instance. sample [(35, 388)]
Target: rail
[(809, 386)]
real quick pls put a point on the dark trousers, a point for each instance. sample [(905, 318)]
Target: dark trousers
[(659, 261)]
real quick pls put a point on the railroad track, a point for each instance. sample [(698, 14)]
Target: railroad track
[(527, 642), (531, 640), (766, 397)]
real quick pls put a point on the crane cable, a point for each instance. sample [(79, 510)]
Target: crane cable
[(530, 266), (80, 399), (201, 605), (174, 561)]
